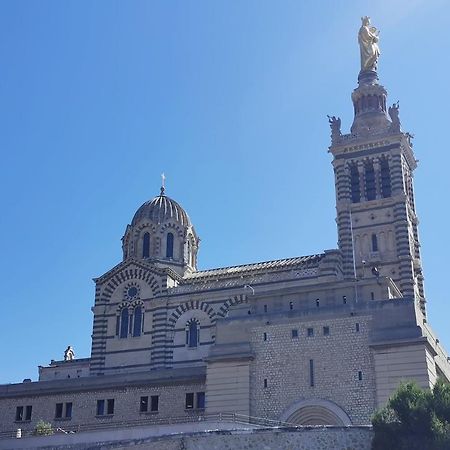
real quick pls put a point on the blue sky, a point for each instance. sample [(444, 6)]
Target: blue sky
[(229, 99)]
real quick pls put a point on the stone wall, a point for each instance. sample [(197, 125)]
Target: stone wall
[(84, 404), (284, 361), (307, 438)]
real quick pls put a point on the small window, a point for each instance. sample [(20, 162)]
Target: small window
[(265, 308), (344, 299), (357, 327), (154, 403), (110, 406), (374, 243), (189, 400), (265, 382), (311, 372), (143, 404), (294, 333), (317, 302), (291, 306), (146, 246), (265, 337), (310, 332), (326, 331), (19, 413), (372, 296), (200, 400), (28, 410), (100, 407), (59, 410), (169, 245), (68, 414), (360, 375), (192, 334)]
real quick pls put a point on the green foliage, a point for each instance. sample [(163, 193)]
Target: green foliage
[(43, 428), (414, 419)]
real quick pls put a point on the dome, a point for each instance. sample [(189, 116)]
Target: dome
[(162, 209)]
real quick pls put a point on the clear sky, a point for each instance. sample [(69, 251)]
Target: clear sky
[(229, 99)]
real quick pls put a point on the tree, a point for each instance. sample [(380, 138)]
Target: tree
[(43, 428), (414, 419)]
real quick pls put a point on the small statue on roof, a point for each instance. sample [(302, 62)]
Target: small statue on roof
[(394, 115), (69, 354), (335, 125)]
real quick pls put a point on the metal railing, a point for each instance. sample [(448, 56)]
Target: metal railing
[(106, 423)]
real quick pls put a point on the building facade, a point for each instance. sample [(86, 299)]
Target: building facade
[(318, 339)]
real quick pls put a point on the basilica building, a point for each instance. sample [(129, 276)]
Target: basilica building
[(319, 339)]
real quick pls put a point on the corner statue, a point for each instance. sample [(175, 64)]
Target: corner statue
[(368, 45)]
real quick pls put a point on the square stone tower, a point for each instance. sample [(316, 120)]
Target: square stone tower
[(376, 215)]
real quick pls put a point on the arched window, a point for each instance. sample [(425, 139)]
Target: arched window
[(146, 246), (354, 184), (192, 334), (169, 245), (385, 178), (374, 243), (371, 191), (124, 317), (137, 322)]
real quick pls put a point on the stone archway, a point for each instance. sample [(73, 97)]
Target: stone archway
[(315, 412)]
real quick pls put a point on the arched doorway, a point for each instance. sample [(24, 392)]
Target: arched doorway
[(315, 412)]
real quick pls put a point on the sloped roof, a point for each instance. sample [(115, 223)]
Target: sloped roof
[(274, 265)]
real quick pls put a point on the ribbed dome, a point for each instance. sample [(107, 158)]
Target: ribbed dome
[(161, 209)]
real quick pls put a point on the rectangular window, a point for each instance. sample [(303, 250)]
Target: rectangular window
[(110, 406), (326, 331), (310, 332), (344, 299), (357, 327), (59, 410), (294, 334), (100, 407), (189, 400), (359, 375), (265, 382), (265, 336), (311, 372), (291, 306), (143, 404), (265, 308), (19, 413), (200, 400), (68, 410), (28, 410), (154, 403)]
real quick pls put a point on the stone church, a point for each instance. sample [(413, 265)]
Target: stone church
[(315, 339)]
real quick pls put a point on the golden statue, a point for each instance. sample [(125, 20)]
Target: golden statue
[(368, 44)]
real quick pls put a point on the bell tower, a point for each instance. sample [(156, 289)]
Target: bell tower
[(374, 165)]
